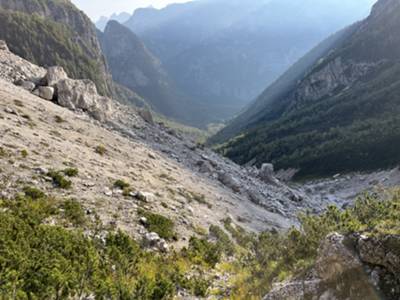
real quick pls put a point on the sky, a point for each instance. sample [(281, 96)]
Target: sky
[(97, 8)]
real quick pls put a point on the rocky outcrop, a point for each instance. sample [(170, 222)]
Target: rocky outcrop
[(328, 78), (54, 84), (353, 267), (16, 69)]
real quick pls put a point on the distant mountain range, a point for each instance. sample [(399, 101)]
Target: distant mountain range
[(336, 110), (221, 54), (122, 17)]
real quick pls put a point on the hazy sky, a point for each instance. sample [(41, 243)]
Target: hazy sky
[(97, 8)]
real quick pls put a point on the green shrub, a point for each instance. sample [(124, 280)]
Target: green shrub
[(59, 180), (74, 212), (120, 184), (201, 252), (33, 193), (58, 119), (101, 150), (24, 153), (71, 172), (223, 240), (161, 225)]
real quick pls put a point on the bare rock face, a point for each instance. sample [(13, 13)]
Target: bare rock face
[(82, 94)]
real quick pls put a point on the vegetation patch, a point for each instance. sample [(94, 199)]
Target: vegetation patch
[(101, 150), (40, 261), (71, 172), (159, 224), (121, 184), (33, 193), (59, 180)]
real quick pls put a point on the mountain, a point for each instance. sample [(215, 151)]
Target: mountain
[(336, 110), (226, 62), (54, 32), (133, 66), (122, 17)]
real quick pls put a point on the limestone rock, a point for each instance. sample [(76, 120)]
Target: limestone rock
[(335, 258), (146, 116), (266, 174), (383, 251), (229, 181), (46, 92), (3, 45), (82, 94), (54, 75), (26, 84)]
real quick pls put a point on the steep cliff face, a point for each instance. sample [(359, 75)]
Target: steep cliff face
[(340, 114), (50, 32)]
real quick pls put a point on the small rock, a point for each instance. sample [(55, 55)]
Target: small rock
[(163, 246), (151, 239), (10, 111), (108, 192), (41, 170), (27, 85), (143, 221), (140, 196)]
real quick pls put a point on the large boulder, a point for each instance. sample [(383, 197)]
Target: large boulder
[(46, 92), (82, 94), (229, 181), (146, 115), (54, 75), (266, 174), (335, 258)]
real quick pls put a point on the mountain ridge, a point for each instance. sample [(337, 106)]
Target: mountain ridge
[(340, 116)]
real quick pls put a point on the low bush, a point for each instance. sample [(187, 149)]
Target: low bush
[(33, 192), (71, 172), (120, 184), (101, 150), (161, 225), (59, 180)]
